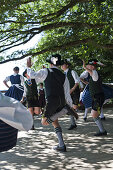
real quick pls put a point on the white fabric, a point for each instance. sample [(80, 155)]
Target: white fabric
[(14, 113), (75, 77), (74, 74), (41, 75), (67, 92), (63, 112), (94, 75), (84, 75), (19, 86)]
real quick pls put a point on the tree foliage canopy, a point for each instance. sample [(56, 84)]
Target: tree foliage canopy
[(76, 29)]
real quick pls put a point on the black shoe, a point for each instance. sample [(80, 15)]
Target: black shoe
[(33, 128), (85, 119), (103, 118), (60, 149), (71, 111), (101, 133), (72, 127)]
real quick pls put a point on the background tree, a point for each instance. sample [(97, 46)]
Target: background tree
[(76, 29)]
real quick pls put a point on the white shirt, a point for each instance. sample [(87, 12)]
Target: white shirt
[(84, 75), (75, 77), (41, 75), (94, 75)]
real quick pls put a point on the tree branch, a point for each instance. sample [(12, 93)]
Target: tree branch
[(61, 47), (61, 11), (19, 22), (57, 25), (18, 44), (49, 27)]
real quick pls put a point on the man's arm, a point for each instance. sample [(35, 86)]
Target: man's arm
[(39, 76), (83, 76), (24, 94), (22, 80), (76, 79), (88, 70)]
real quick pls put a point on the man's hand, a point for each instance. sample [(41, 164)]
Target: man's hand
[(44, 122), (29, 63)]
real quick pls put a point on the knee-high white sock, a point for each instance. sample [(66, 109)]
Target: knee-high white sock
[(99, 124), (86, 111), (58, 132), (72, 119), (101, 114)]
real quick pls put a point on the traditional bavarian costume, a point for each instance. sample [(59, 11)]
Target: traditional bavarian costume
[(86, 97), (31, 93), (16, 90), (97, 95), (75, 95), (56, 89), (73, 78)]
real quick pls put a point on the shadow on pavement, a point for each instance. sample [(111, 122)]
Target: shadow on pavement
[(84, 151)]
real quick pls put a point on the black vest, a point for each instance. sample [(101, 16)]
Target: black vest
[(95, 87), (71, 80), (54, 83), (31, 89)]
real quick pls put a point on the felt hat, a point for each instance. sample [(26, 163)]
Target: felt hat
[(65, 61), (55, 59), (94, 62)]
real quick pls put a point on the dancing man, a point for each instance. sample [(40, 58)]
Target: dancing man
[(97, 94), (74, 82), (57, 95)]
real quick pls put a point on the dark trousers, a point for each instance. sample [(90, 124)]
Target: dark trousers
[(54, 105), (8, 136)]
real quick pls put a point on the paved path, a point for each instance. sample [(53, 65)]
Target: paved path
[(84, 151)]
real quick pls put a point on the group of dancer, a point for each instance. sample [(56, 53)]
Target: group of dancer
[(62, 92)]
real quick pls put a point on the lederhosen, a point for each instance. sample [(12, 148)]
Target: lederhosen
[(75, 95), (97, 94), (86, 97), (54, 92), (31, 93)]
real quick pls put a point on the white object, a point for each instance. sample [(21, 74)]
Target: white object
[(14, 113)]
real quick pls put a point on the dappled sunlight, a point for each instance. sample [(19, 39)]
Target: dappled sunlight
[(84, 151)]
